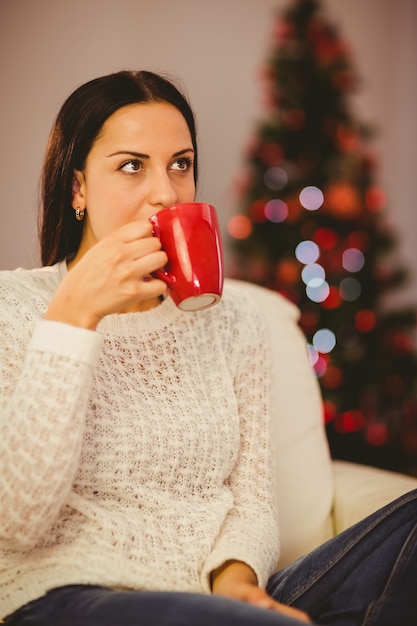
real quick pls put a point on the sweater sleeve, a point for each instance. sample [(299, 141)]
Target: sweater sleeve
[(250, 531), (45, 376)]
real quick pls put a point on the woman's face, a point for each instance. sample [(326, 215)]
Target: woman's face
[(141, 162)]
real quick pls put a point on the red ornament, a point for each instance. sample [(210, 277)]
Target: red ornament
[(257, 211), (325, 238), (295, 209), (349, 421), (374, 199), (239, 227), (329, 411), (401, 343), (376, 434), (342, 200), (288, 271), (271, 154), (358, 239), (333, 300), (365, 320)]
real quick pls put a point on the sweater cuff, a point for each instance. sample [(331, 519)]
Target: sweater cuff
[(62, 339), (218, 558)]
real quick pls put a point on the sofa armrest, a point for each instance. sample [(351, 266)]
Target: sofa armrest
[(360, 490)]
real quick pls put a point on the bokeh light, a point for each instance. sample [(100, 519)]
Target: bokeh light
[(376, 434), (313, 354), (257, 211), (358, 239), (350, 289), (307, 252), (365, 320), (287, 270), (324, 340), (276, 211), (326, 238), (313, 275), (343, 200), (333, 300), (311, 198), (329, 409), (320, 367), (275, 178), (239, 227), (349, 421), (353, 260), (374, 199), (318, 293)]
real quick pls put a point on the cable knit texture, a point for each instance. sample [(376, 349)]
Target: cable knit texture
[(136, 456)]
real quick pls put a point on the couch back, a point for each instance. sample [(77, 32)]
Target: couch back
[(303, 469)]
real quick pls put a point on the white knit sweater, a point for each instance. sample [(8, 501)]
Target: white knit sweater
[(136, 456)]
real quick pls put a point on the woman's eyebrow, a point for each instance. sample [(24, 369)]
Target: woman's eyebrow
[(177, 154), (141, 155), (129, 152)]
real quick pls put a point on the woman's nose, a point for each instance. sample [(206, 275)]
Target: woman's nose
[(162, 192)]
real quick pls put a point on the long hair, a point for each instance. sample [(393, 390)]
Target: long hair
[(76, 127)]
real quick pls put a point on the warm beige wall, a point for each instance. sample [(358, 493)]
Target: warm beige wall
[(48, 47)]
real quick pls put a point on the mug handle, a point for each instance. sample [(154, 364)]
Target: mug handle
[(161, 274)]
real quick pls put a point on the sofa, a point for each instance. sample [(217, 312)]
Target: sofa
[(317, 496)]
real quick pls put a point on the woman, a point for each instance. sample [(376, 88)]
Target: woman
[(114, 484), (134, 451)]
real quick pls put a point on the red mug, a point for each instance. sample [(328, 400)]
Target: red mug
[(190, 235)]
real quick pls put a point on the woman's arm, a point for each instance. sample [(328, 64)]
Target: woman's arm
[(246, 551), (46, 370), (45, 376), (249, 533)]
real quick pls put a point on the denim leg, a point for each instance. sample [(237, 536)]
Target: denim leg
[(366, 576), (96, 606)]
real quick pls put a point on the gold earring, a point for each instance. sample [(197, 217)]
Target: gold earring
[(79, 214)]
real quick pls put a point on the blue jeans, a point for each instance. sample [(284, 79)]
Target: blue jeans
[(367, 576)]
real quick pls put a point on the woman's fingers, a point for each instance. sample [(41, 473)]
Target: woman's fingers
[(260, 598), (112, 275)]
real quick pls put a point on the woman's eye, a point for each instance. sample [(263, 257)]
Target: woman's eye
[(182, 164), (131, 167)]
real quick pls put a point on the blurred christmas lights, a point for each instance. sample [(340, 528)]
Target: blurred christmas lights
[(307, 252), (309, 227), (276, 211), (275, 178), (311, 198), (324, 340), (353, 260)]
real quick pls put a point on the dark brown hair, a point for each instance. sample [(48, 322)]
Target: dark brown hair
[(77, 126)]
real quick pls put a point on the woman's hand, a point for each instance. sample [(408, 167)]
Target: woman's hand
[(237, 580), (112, 276)]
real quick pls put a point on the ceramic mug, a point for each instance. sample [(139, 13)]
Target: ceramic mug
[(190, 235)]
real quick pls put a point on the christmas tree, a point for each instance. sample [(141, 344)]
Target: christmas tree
[(311, 225)]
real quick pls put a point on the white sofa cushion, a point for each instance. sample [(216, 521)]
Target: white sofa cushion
[(304, 479), (362, 489)]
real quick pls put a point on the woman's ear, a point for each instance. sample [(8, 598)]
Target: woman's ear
[(78, 199)]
